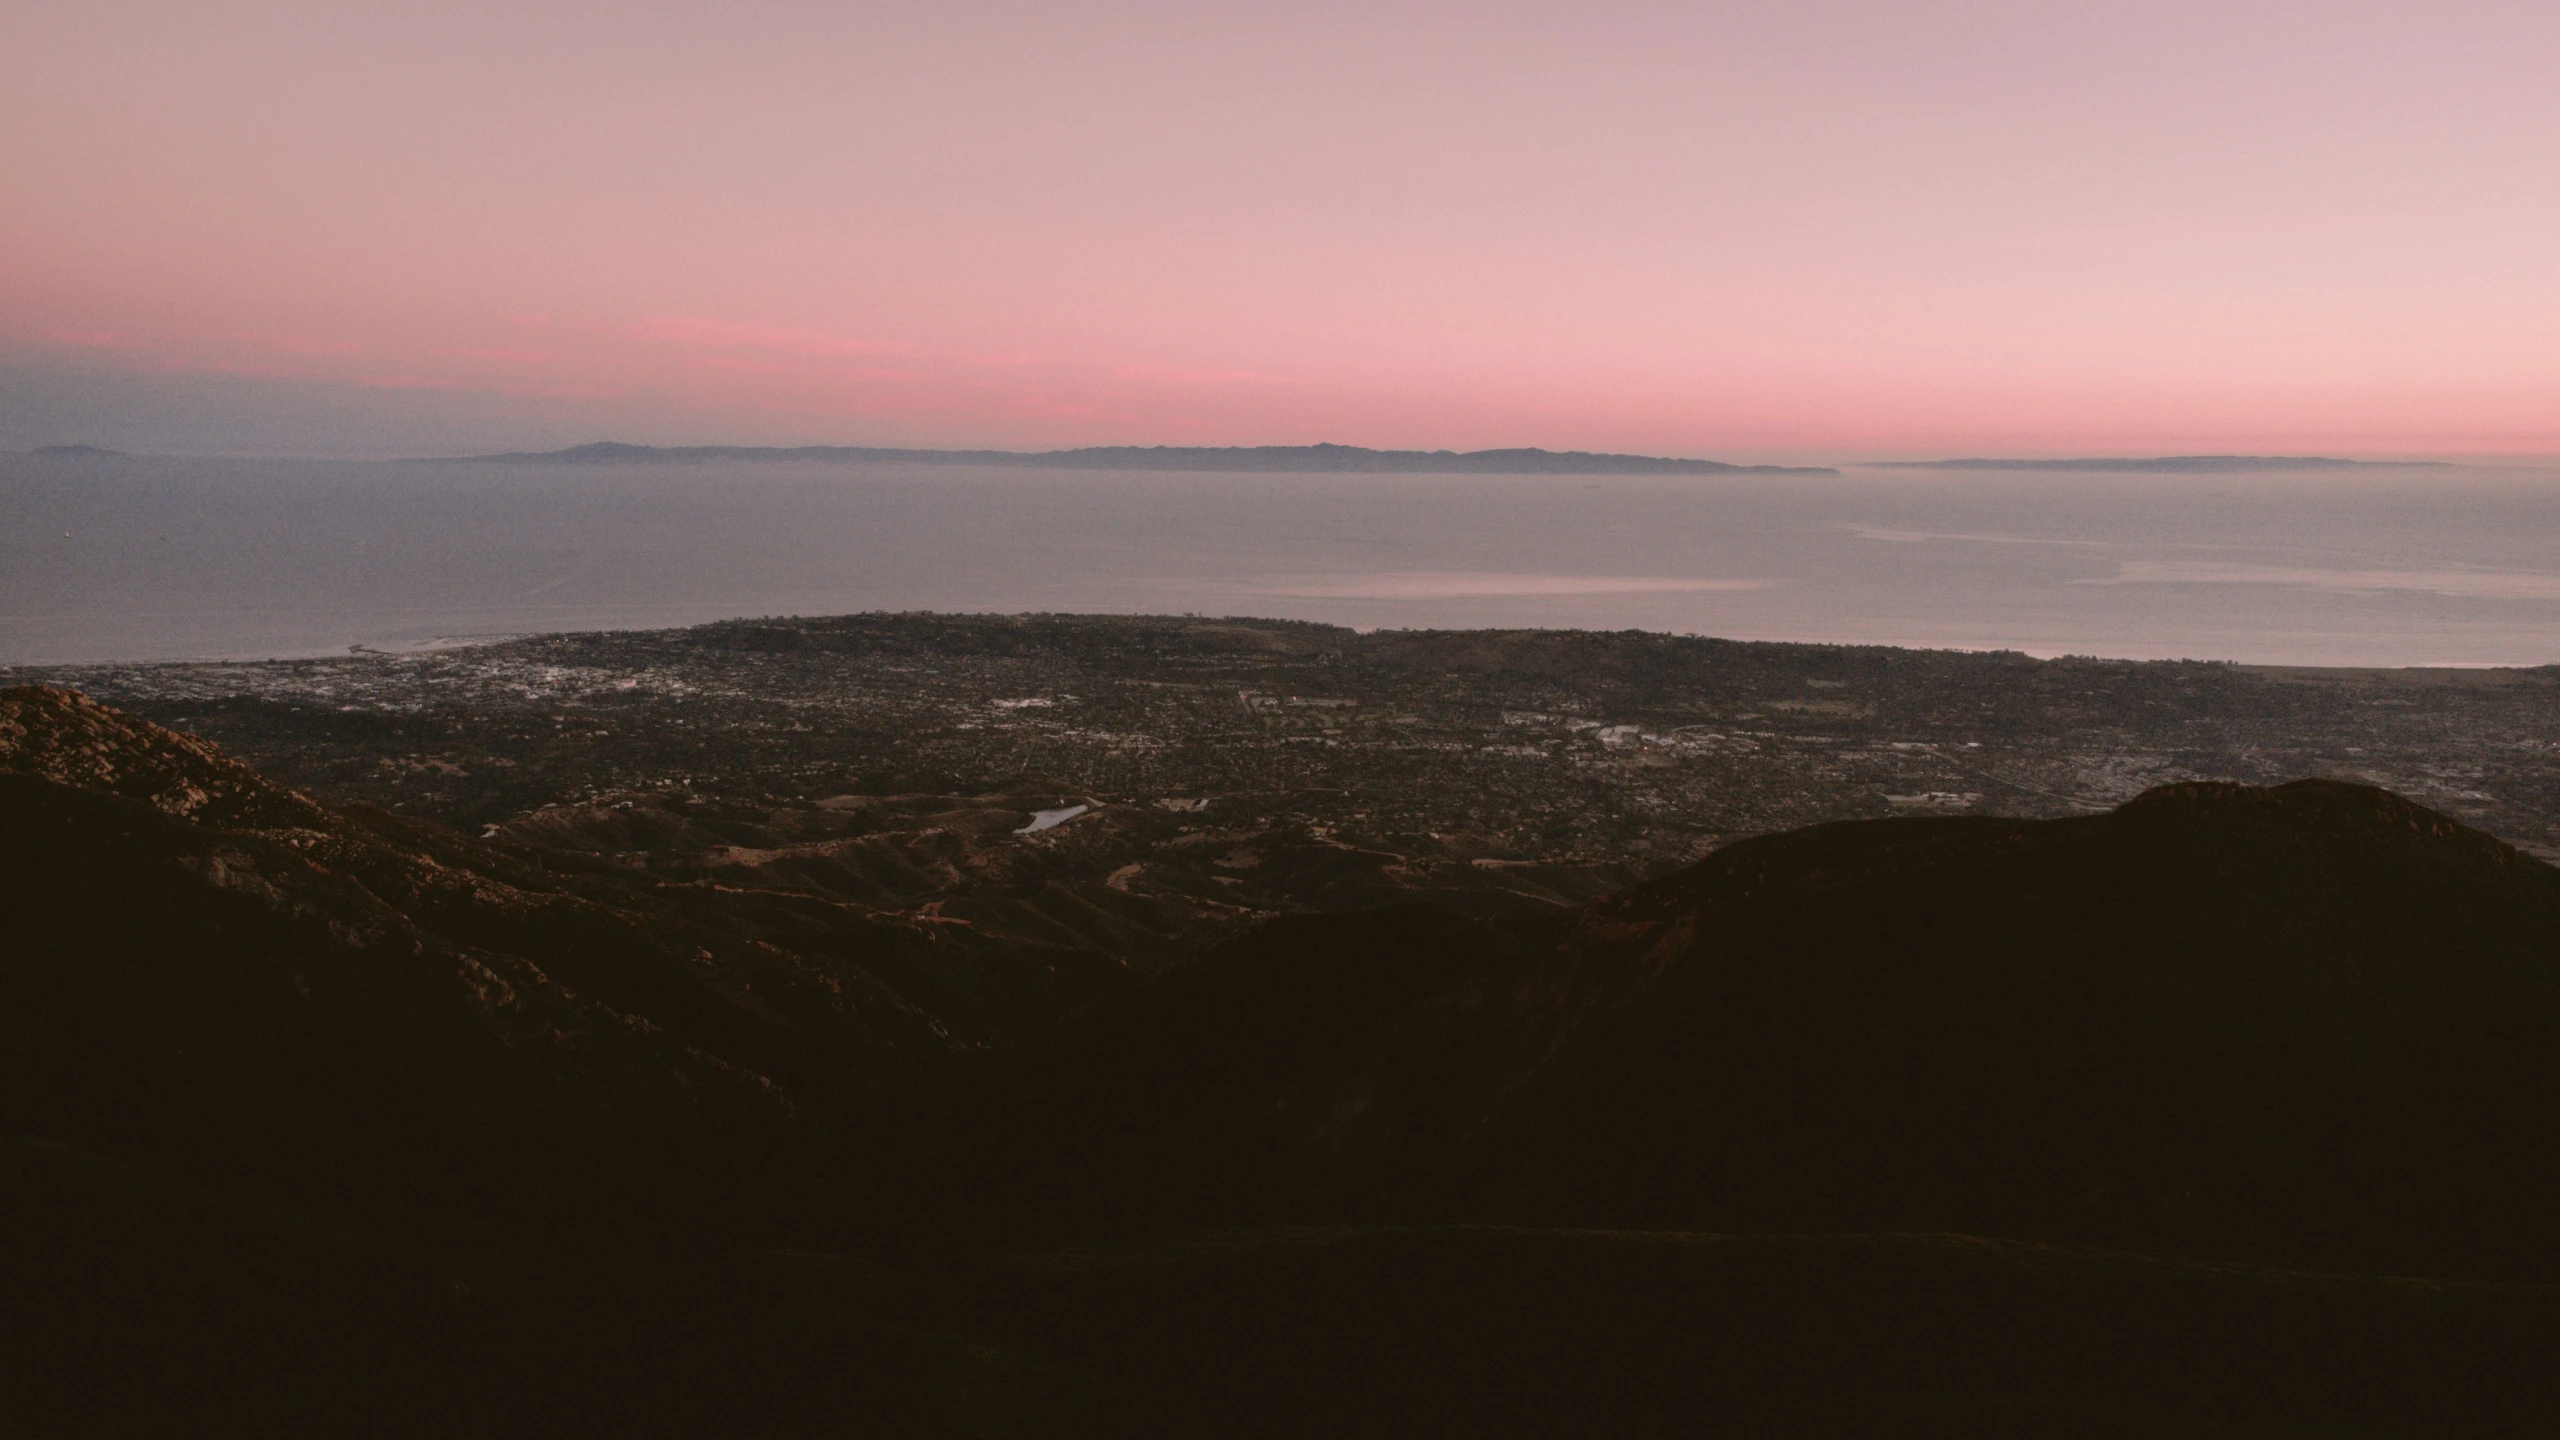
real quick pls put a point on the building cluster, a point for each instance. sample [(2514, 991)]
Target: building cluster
[(1547, 746)]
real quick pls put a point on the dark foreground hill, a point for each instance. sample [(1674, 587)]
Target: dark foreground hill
[(213, 972), (2313, 1024), (329, 1123)]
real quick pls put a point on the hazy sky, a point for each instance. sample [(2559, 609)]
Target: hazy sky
[(1868, 226)]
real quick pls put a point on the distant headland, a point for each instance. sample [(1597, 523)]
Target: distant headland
[(2168, 464), (1281, 459)]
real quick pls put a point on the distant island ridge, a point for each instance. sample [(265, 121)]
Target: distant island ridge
[(1319, 459), (1338, 459), (2166, 464)]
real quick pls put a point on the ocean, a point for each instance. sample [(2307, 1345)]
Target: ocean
[(133, 559)]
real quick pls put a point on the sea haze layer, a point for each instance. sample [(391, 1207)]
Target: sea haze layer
[(123, 558)]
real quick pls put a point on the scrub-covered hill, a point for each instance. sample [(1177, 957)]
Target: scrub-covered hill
[(211, 971)]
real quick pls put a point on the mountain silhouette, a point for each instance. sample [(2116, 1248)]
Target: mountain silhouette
[(2233, 1112), (2315, 1024)]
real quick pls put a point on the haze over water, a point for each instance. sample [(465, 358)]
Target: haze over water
[(146, 559)]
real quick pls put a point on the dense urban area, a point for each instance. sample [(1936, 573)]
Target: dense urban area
[(1232, 767)]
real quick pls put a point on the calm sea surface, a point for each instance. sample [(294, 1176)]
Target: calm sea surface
[(172, 559)]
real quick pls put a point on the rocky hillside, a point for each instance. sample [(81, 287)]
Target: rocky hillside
[(211, 971)]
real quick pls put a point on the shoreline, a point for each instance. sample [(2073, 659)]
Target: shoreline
[(2469, 674)]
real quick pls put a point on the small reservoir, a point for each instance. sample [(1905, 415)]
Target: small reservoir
[(1051, 819)]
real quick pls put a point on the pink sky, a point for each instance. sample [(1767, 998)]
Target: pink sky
[(1746, 230)]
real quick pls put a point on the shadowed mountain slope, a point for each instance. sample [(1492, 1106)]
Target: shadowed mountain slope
[(321, 1122), (2313, 1024), (346, 1009), (1476, 1331), (60, 736)]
